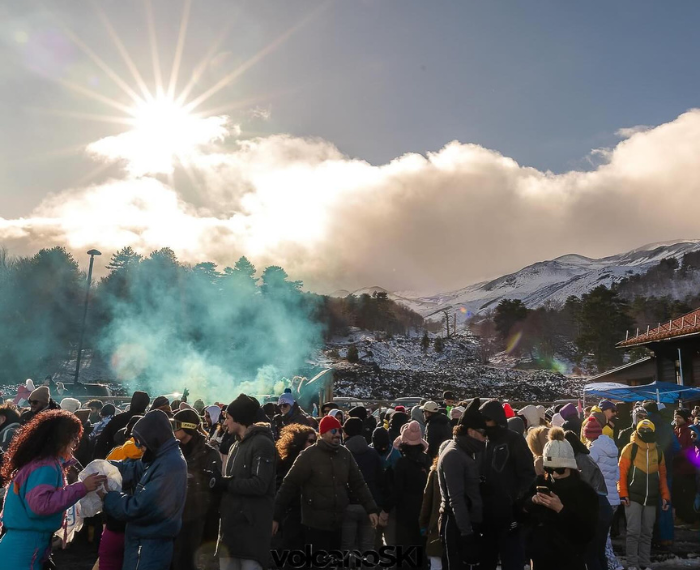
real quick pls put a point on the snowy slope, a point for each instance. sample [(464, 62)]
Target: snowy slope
[(547, 281)]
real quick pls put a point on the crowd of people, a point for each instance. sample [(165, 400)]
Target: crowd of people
[(450, 484)]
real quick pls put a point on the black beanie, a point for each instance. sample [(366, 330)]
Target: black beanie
[(472, 418), (684, 413), (159, 402), (190, 417), (108, 410), (352, 426), (243, 410), (358, 412), (651, 407)]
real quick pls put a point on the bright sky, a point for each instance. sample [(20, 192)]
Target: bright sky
[(314, 119)]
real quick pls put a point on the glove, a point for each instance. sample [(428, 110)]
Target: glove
[(217, 482), (470, 549), (696, 504)]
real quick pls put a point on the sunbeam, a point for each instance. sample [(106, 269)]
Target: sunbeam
[(123, 52), (178, 50), (155, 58)]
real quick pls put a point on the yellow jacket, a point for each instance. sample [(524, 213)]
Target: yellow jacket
[(126, 451)]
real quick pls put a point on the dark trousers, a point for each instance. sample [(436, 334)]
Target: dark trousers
[(501, 541), (453, 554), (187, 544), (325, 540), (684, 490), (595, 551)]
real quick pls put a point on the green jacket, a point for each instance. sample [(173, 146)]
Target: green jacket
[(324, 476)]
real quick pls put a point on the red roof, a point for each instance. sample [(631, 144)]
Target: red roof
[(687, 324)]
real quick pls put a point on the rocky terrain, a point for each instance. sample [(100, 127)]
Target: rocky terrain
[(393, 367)]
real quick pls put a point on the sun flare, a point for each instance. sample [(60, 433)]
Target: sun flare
[(163, 133)]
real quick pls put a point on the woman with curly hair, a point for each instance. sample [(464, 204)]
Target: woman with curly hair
[(37, 495), (294, 438)]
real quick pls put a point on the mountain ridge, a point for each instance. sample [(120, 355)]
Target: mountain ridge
[(549, 281)]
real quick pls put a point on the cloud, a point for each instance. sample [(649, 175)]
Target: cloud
[(627, 132), (422, 222)]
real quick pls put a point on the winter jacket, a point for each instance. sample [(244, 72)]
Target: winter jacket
[(559, 540), (430, 515), (202, 461), (408, 484), (295, 416), (507, 469), (126, 451), (324, 475), (681, 465), (643, 481), (604, 452), (28, 415), (7, 433), (35, 505), (248, 501), (437, 430), (370, 465), (105, 442), (99, 426), (154, 511), (459, 478)]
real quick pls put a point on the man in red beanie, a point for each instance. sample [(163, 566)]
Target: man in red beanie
[(324, 474)]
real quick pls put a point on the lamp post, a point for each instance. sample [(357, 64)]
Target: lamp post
[(92, 253)]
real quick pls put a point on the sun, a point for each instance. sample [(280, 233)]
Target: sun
[(163, 133)]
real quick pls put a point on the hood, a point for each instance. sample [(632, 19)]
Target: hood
[(398, 419), (439, 418), (417, 415), (517, 425), (214, 413), (531, 415), (380, 439), (258, 429), (568, 412), (493, 410), (139, 403), (696, 430), (357, 444), (154, 430)]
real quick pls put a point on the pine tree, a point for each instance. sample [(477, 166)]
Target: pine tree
[(353, 355), (425, 342)]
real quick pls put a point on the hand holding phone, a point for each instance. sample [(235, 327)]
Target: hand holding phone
[(544, 490)]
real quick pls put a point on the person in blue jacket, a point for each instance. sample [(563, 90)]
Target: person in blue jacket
[(153, 514), (38, 494)]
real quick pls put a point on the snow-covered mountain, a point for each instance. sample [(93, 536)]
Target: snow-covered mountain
[(544, 281)]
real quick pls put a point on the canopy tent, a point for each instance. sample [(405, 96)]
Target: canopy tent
[(663, 392)]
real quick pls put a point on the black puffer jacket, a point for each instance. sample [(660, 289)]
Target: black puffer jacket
[(437, 430), (370, 465), (507, 469), (324, 476), (248, 501), (105, 441), (559, 540)]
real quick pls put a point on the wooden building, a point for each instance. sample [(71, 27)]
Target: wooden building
[(676, 348)]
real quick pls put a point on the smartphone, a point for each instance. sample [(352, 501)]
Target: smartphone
[(544, 490)]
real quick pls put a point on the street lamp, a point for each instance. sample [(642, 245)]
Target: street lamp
[(92, 253)]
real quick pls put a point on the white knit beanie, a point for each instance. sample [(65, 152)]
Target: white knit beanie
[(557, 451), (70, 404)]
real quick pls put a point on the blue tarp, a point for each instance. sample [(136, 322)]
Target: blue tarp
[(664, 392)]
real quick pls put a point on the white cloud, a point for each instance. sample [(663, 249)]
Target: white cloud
[(627, 132), (429, 222)]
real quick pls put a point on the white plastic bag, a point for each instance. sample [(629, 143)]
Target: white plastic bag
[(74, 522), (91, 504)]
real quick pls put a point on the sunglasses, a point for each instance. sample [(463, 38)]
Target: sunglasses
[(311, 440), (557, 470), (285, 406), (482, 431), (334, 431), (33, 402)]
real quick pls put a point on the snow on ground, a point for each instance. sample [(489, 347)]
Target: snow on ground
[(394, 367)]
